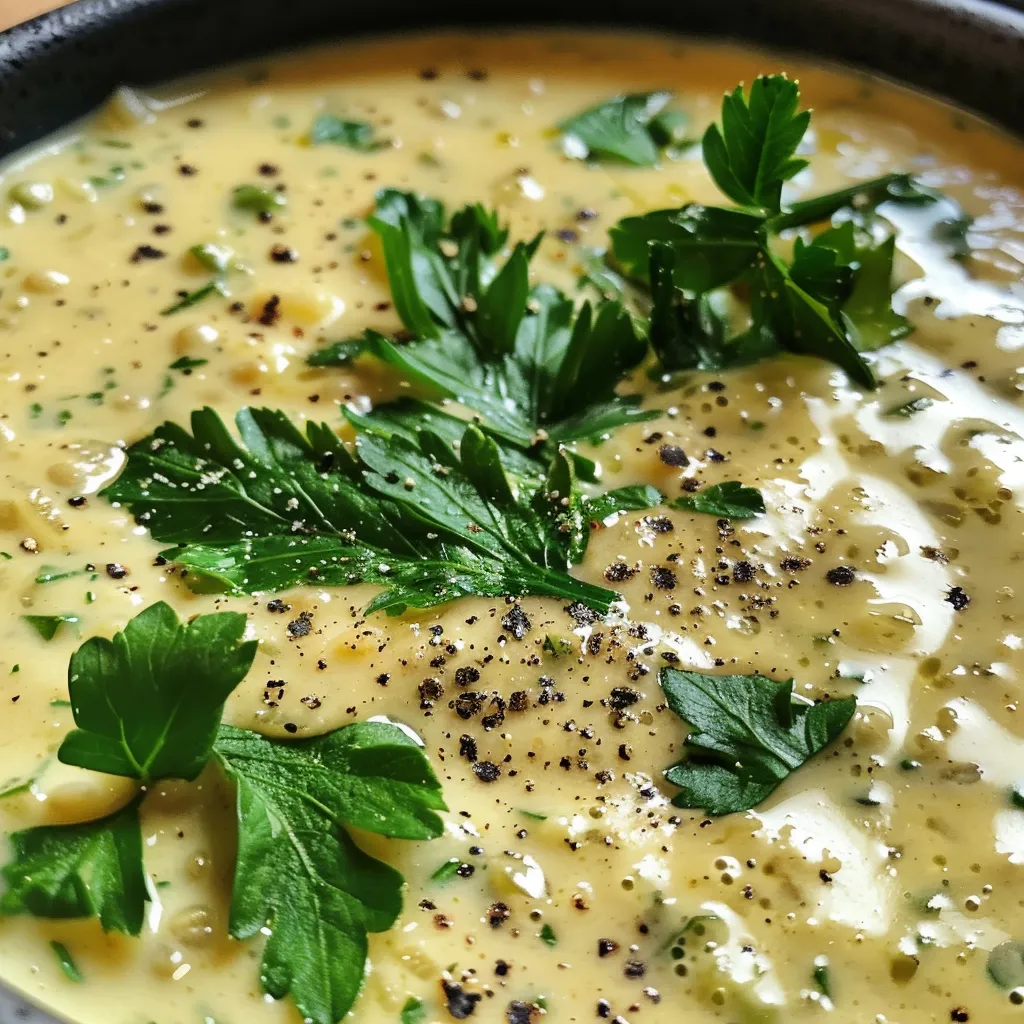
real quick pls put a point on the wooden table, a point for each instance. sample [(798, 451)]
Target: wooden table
[(13, 11)]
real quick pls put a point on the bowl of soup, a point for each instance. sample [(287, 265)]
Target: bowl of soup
[(492, 516)]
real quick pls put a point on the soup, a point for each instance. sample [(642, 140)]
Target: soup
[(853, 849)]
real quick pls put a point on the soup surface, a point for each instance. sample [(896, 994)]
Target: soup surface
[(872, 885)]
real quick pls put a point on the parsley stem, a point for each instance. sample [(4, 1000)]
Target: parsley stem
[(868, 193)]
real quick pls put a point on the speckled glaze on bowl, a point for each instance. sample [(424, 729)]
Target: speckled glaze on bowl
[(58, 67)]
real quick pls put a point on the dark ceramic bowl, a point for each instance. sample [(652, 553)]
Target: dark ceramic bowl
[(60, 66)]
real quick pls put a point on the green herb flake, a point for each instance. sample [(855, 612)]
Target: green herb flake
[(414, 1011), (822, 975), (357, 135), (558, 646), (748, 735), (729, 500), (5, 253), (548, 937), (907, 409), (194, 298), (47, 626), (67, 964), (258, 200), (53, 573), (186, 364), (447, 871)]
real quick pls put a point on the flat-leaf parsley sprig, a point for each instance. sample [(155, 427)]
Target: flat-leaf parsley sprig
[(831, 297), (537, 371), (300, 878), (427, 516)]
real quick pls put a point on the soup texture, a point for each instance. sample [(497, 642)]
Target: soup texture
[(740, 742)]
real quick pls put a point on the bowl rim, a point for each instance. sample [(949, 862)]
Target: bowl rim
[(62, 64)]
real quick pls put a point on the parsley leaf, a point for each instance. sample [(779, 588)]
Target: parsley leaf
[(729, 500), (633, 128), (753, 153), (413, 516), (523, 358), (832, 299), (357, 135), (300, 874), (148, 703), (73, 871), (748, 735)]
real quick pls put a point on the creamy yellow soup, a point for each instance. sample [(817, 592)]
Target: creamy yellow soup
[(872, 886)]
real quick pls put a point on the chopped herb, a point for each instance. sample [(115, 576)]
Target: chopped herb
[(114, 176), (67, 964), (413, 1012), (1017, 795), (52, 573), (533, 815), (258, 200), (413, 517), (357, 135), (148, 702), (634, 128), (823, 976), (193, 298), (187, 364), (748, 735), (447, 871), (73, 871), (35, 410), (60, 703), (24, 784), (548, 937), (5, 253), (47, 626), (729, 500), (907, 409), (558, 645)]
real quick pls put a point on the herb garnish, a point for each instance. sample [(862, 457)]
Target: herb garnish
[(148, 703), (748, 735), (831, 298), (299, 876), (729, 500), (426, 522), (633, 128), (70, 871), (297, 867), (535, 369)]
